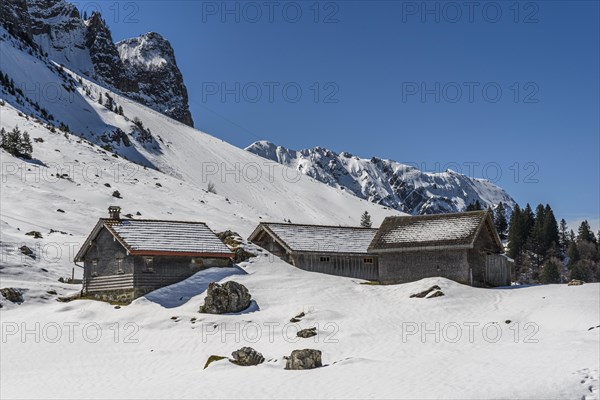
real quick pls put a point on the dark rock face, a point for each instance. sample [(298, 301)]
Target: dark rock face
[(104, 55), (149, 60), (12, 294), (231, 297), (142, 68), (15, 18), (304, 359), (246, 356)]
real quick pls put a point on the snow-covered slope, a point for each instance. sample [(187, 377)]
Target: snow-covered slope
[(388, 182), (376, 342)]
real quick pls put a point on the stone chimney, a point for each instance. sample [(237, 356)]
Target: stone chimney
[(114, 212)]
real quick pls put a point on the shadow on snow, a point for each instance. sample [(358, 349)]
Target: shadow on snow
[(180, 293)]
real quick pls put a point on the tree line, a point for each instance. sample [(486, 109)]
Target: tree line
[(16, 143), (549, 252)]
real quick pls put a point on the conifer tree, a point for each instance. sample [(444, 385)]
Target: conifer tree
[(500, 220), (551, 271), (536, 242), (365, 220), (550, 228), (563, 236), (515, 232), (573, 252), (16, 143), (474, 206), (585, 233), (529, 220)]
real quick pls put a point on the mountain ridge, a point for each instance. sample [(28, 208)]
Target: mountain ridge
[(387, 182)]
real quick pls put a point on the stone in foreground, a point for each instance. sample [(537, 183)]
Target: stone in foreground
[(424, 293), (246, 356), (231, 297), (307, 333), (304, 359)]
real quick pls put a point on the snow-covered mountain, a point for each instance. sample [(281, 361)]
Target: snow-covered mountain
[(386, 182), (142, 68)]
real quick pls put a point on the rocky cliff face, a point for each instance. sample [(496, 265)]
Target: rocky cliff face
[(149, 60), (388, 182), (142, 68)]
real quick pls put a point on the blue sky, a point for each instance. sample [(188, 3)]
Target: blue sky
[(503, 90)]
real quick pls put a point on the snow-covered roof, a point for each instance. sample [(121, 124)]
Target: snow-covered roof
[(157, 237), (319, 238), (439, 230)]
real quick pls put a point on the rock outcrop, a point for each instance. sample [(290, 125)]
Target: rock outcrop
[(149, 60), (12, 295)]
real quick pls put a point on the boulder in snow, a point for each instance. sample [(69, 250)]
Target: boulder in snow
[(231, 297), (304, 359), (575, 282), (246, 356), (425, 293), (306, 333)]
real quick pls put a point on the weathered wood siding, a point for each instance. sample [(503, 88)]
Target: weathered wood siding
[(163, 271), (408, 266), (102, 257), (498, 270), (268, 243), (110, 282), (485, 272), (350, 265)]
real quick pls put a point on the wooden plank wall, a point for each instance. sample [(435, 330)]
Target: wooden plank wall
[(497, 270), (352, 266)]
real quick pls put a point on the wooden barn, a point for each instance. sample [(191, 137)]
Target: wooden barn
[(464, 247), (127, 258), (333, 250)]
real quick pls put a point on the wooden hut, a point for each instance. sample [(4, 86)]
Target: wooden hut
[(464, 247), (334, 250), (126, 258)]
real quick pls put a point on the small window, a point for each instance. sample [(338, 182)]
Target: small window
[(324, 259), (149, 264), (197, 262), (119, 265), (368, 260), (94, 267)]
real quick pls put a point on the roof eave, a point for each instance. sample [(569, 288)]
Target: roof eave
[(180, 254), (420, 248)]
